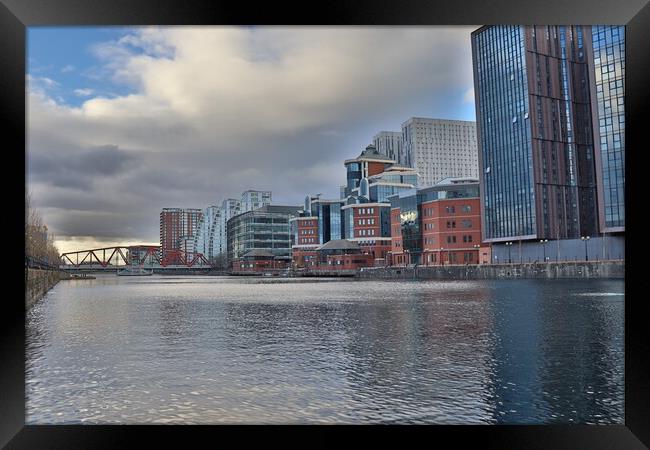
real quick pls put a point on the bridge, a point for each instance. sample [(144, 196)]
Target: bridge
[(134, 256)]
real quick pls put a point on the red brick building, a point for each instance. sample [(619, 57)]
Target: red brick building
[(438, 225), (342, 254), (304, 241), (259, 261), (177, 227), (368, 224)]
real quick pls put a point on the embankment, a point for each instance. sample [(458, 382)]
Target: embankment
[(567, 270), (38, 282)]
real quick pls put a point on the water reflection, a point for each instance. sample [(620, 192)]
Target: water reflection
[(222, 350)]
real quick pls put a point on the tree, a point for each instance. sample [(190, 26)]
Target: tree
[(38, 243)]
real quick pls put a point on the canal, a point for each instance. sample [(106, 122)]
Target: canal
[(212, 350)]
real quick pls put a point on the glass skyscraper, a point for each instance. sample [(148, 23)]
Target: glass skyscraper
[(608, 112), (536, 93)]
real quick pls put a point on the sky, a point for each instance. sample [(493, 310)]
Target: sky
[(122, 122)]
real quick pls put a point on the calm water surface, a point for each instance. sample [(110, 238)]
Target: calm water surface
[(211, 350)]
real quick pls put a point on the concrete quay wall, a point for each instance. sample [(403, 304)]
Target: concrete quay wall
[(38, 282), (561, 270)]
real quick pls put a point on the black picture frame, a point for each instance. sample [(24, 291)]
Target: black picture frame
[(16, 15)]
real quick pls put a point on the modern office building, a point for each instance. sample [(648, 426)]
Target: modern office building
[(371, 179), (176, 226), (390, 145), (392, 180), (440, 148), (549, 106), (385, 177), (319, 222), (330, 224), (437, 225), (211, 237), (266, 228), (367, 223)]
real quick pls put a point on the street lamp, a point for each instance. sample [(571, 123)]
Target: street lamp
[(478, 253), (544, 241), (441, 249), (509, 245), (585, 239)]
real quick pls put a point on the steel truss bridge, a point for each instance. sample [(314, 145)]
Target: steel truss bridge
[(134, 256)]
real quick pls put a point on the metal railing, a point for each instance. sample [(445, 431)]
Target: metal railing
[(32, 262)]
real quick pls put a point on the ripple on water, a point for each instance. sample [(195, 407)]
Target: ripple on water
[(222, 350)]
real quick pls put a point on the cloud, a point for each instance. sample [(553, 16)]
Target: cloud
[(40, 85), (68, 68), (85, 92), (213, 111), (80, 169)]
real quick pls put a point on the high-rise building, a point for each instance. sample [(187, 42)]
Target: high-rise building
[(440, 148), (251, 199), (389, 144), (177, 225), (605, 49), (208, 240), (549, 104)]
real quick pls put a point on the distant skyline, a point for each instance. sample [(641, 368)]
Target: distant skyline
[(123, 122)]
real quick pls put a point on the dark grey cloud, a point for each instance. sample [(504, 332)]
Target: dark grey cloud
[(80, 169)]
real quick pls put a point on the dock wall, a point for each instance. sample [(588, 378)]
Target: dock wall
[(568, 270)]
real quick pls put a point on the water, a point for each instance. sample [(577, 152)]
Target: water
[(210, 350)]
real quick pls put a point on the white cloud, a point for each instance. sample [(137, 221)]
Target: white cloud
[(85, 92), (68, 68), (214, 110)]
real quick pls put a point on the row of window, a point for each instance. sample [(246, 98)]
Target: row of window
[(429, 212), (366, 232), (366, 210), (451, 239), (366, 221)]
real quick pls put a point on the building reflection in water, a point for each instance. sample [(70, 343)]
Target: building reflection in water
[(423, 355), (558, 352)]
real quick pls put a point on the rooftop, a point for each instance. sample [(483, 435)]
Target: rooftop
[(339, 244), (258, 253)]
